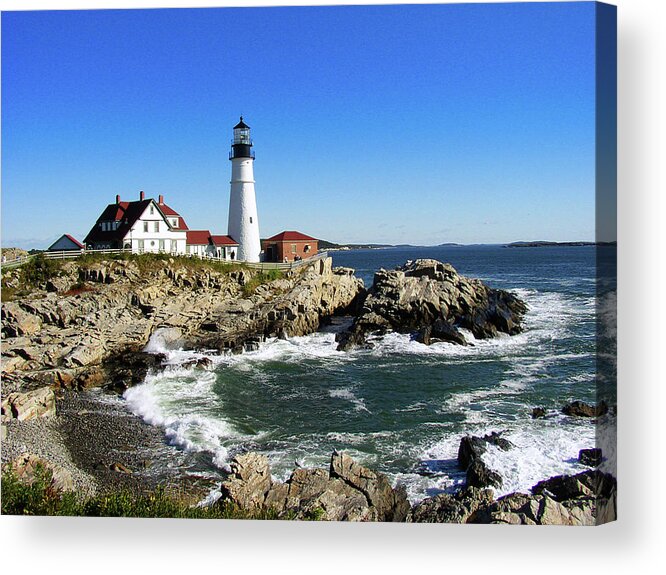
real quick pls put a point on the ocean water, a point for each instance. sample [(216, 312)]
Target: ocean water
[(402, 407)]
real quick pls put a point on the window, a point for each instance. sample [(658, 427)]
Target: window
[(187, 249), (306, 249), (174, 222), (161, 245), (152, 210), (145, 227), (140, 245), (157, 226), (293, 248), (250, 219)]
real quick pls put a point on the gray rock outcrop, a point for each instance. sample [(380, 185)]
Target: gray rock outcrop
[(582, 409), (346, 491), (89, 334), (588, 498), (24, 406), (471, 448), (431, 299), (27, 467)]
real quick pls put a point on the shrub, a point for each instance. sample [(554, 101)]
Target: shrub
[(39, 498), (39, 269)]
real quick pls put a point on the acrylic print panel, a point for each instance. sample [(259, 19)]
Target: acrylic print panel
[(401, 308)]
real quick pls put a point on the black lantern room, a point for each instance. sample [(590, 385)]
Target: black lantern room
[(242, 143)]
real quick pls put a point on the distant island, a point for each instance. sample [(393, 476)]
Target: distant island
[(331, 246), (540, 244)]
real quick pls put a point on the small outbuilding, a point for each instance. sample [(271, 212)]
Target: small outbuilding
[(66, 243), (289, 246)]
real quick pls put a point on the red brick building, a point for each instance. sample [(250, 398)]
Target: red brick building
[(289, 246)]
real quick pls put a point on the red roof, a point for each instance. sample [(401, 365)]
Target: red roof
[(127, 213), (169, 211), (198, 237), (77, 242), (223, 241), (291, 236)]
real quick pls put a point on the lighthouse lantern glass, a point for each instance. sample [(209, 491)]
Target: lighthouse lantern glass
[(242, 136)]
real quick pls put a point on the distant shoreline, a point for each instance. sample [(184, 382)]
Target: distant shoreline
[(331, 247)]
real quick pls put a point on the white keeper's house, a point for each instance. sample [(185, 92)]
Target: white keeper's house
[(146, 226)]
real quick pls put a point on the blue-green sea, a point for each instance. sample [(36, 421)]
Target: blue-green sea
[(402, 407)]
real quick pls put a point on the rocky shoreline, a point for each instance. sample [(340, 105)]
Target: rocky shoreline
[(78, 340)]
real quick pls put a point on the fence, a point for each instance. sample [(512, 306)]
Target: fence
[(71, 254)]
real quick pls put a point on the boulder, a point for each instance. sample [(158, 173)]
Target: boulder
[(24, 406), (588, 498), (471, 449), (120, 468), (249, 482), (586, 484), (447, 508), (480, 475), (27, 467), (538, 412), (17, 322), (390, 504), (346, 491), (430, 299), (590, 457), (582, 409)]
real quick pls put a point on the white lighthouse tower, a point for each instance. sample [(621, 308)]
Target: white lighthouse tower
[(243, 221)]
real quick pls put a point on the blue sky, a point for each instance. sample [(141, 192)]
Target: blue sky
[(416, 124)]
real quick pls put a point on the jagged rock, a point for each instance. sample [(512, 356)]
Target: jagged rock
[(590, 457), (390, 504), (480, 476), (24, 406), (17, 322), (90, 352), (445, 508), (87, 338), (25, 468), (538, 412), (586, 484), (429, 297), (345, 492), (588, 498), (471, 449), (120, 468), (249, 482), (582, 409)]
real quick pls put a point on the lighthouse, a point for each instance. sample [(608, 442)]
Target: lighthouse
[(243, 221)]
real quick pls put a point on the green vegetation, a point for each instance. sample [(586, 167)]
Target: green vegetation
[(34, 273), (261, 278), (40, 498), (152, 262), (39, 269)]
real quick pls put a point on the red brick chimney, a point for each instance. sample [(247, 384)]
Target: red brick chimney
[(117, 199), (161, 199), (142, 195)]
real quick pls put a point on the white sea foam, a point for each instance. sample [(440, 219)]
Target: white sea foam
[(542, 448), (182, 403), (348, 394)]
